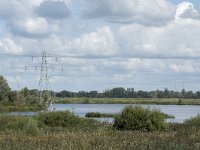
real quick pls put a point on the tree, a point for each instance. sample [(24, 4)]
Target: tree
[(25, 92), (118, 92), (4, 89)]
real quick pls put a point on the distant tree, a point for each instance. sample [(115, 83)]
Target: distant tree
[(131, 93), (34, 92), (64, 94), (30, 97), (13, 96), (93, 93), (118, 92), (183, 93), (166, 93), (4, 89), (25, 92), (82, 94)]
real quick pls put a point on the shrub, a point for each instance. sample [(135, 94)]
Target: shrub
[(64, 119), (93, 114), (98, 115), (138, 118)]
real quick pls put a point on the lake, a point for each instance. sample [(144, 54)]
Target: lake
[(181, 112)]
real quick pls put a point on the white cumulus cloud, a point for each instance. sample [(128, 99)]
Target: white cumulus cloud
[(151, 12), (8, 46), (186, 10), (31, 27), (99, 43)]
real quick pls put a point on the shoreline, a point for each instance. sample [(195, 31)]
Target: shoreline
[(164, 101)]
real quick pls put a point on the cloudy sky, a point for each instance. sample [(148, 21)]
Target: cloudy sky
[(145, 44)]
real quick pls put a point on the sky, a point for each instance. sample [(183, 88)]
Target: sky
[(101, 44)]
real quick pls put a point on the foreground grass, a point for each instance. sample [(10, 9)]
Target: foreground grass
[(91, 135), (101, 139), (164, 101)]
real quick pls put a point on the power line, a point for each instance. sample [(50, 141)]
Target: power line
[(117, 57)]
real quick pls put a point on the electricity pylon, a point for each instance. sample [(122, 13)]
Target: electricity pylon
[(44, 87), (44, 93)]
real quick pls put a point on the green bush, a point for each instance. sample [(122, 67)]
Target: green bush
[(64, 119), (31, 127), (138, 118), (98, 115)]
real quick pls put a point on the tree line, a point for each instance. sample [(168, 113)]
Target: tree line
[(26, 96), (121, 92)]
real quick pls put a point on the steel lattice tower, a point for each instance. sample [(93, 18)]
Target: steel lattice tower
[(44, 93)]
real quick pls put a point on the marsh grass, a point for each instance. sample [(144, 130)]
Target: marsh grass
[(15, 135), (12, 122), (100, 140), (31, 127)]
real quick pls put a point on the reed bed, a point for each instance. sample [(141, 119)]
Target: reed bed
[(22, 133)]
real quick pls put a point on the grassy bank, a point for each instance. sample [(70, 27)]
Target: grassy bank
[(40, 133), (168, 101), (19, 108)]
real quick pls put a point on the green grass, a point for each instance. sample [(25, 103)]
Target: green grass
[(164, 101)]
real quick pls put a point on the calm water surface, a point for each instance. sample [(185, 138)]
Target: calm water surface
[(181, 112)]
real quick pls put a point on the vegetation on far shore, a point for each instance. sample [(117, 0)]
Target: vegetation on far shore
[(28, 100), (120, 92), (155, 101), (63, 130)]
